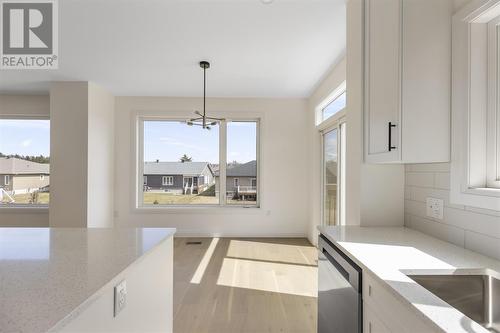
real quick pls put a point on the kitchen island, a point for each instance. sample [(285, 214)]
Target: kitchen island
[(63, 279)]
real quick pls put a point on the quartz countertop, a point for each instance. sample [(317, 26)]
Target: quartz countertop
[(48, 273), (390, 253)]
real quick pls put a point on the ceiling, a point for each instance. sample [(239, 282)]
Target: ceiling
[(152, 47)]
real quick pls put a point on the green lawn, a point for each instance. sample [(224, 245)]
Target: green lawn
[(26, 198), (152, 198)]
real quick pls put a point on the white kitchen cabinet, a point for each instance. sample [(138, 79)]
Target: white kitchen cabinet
[(371, 322), (407, 81), (384, 312)]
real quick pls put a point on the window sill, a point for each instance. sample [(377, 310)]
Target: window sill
[(216, 209), (484, 191), (25, 209), (486, 198)]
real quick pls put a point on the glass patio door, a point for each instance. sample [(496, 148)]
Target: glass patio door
[(332, 175)]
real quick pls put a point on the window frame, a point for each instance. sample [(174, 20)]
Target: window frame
[(167, 180), (138, 119), (16, 207), (493, 112), (340, 127), (475, 171), (334, 95)]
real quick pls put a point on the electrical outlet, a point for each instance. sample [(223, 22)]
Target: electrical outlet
[(120, 297), (435, 208)]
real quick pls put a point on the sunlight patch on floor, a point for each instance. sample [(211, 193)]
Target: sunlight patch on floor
[(268, 276), (285, 253), (200, 270)]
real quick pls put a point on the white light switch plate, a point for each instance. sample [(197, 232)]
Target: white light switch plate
[(435, 208), (120, 297)]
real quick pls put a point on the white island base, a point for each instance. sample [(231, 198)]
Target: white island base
[(63, 280)]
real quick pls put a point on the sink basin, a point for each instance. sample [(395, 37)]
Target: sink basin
[(476, 296)]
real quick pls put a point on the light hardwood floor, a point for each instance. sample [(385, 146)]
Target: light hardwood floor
[(244, 285)]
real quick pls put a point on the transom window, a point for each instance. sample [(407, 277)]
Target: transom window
[(333, 104), (183, 165)]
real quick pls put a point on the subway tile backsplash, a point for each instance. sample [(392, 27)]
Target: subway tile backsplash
[(473, 228)]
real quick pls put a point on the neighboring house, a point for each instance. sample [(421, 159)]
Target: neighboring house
[(241, 181), (178, 177), (21, 176)]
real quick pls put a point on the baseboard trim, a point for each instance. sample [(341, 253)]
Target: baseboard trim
[(194, 234)]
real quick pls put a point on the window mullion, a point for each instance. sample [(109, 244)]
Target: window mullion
[(222, 162), (139, 196)]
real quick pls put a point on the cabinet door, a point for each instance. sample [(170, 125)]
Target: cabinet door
[(371, 323), (382, 79), (426, 72)]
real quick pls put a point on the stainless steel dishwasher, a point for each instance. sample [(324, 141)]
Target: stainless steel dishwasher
[(340, 308)]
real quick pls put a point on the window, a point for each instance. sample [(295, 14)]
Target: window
[(335, 106), (185, 166), (332, 105), (167, 180), (333, 177), (242, 165), (24, 162), (475, 167), (330, 172), (145, 179)]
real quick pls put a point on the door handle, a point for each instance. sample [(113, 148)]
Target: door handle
[(391, 147)]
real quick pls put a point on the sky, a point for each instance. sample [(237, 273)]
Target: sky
[(167, 141), (25, 137), (338, 104)]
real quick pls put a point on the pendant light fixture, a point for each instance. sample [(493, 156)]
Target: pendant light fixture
[(204, 121)]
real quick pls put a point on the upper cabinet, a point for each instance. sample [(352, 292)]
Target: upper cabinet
[(407, 81)]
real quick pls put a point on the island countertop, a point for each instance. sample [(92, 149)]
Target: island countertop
[(48, 273), (392, 253)]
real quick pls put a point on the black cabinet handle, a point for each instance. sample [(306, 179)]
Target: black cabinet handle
[(391, 147)]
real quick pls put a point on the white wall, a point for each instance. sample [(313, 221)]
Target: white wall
[(82, 151), (473, 228), (68, 154), (333, 80), (284, 170), (24, 105), (100, 168), (459, 4)]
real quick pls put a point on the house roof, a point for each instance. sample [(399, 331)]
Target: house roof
[(17, 166), (248, 169), (175, 168)]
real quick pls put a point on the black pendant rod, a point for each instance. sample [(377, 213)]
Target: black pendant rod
[(204, 94)]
